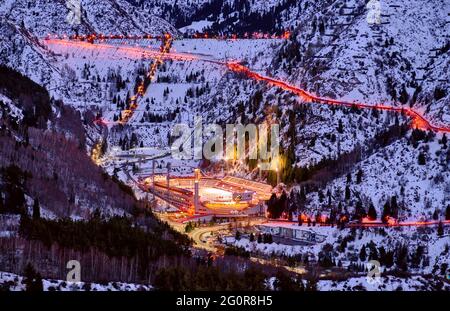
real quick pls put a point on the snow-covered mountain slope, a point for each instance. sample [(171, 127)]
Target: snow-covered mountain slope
[(390, 283), (36, 135), (179, 91), (173, 11), (44, 17), (14, 282), (404, 59), (402, 252), (329, 38), (230, 16), (421, 187), (334, 52), (20, 50)]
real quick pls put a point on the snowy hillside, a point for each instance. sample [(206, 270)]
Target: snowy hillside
[(403, 60), (410, 250), (194, 87), (335, 52), (44, 17), (36, 135), (421, 188)]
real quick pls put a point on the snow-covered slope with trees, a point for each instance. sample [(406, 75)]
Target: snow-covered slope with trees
[(14, 282), (340, 161), (402, 60)]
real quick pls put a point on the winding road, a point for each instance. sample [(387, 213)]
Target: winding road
[(418, 120)]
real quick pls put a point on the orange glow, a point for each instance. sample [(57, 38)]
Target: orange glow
[(367, 220)]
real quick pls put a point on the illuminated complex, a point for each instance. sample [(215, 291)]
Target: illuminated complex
[(226, 197)]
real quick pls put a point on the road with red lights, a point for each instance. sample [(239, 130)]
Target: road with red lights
[(418, 120)]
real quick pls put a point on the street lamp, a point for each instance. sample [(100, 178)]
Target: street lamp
[(278, 174)]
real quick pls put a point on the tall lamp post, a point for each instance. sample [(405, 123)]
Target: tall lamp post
[(278, 174)]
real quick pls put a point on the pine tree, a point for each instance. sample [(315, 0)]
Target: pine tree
[(340, 128), (440, 229), (347, 193), (435, 215), (189, 227), (33, 280), (260, 239), (265, 238), (382, 253), (404, 97), (238, 236), (302, 193), (359, 210), (386, 211), (321, 27), (372, 213), (444, 141), (36, 209), (447, 213), (394, 207), (401, 259), (349, 178), (252, 237), (362, 253), (422, 159)]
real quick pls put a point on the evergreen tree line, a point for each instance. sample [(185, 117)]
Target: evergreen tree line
[(245, 21), (32, 98), (114, 250), (265, 238), (159, 118)]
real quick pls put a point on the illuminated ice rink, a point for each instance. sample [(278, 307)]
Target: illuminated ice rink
[(215, 195)]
